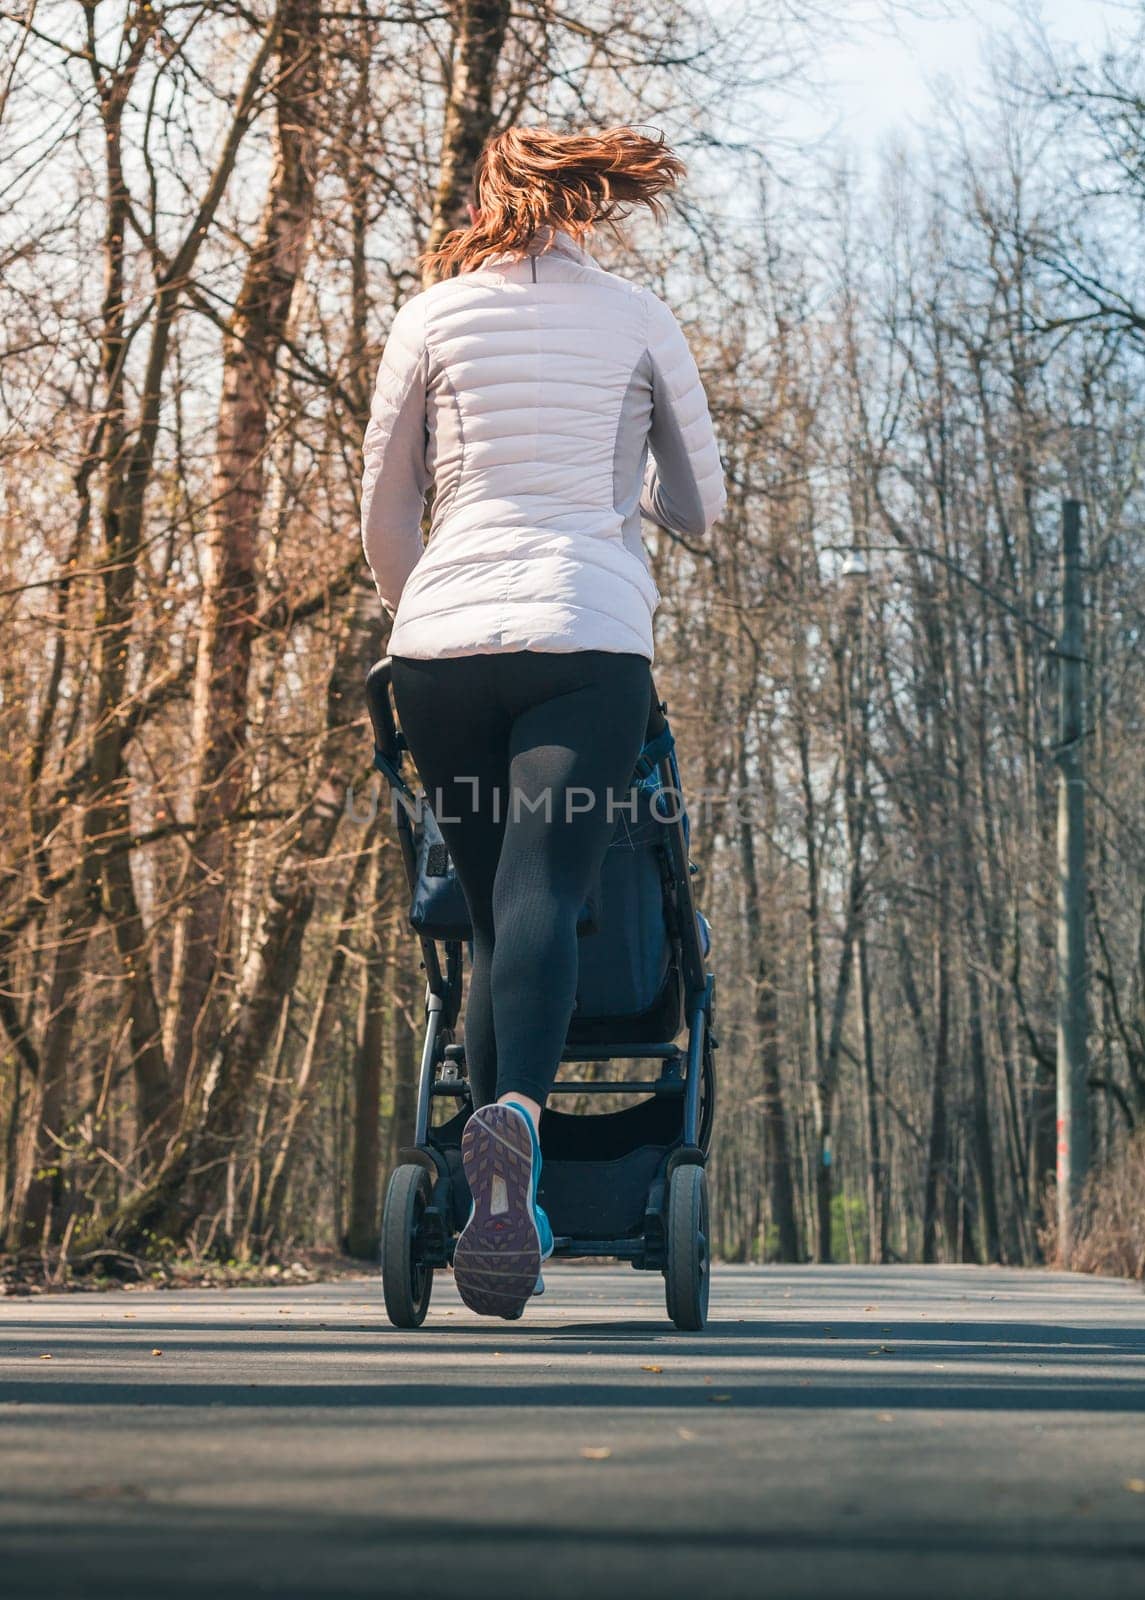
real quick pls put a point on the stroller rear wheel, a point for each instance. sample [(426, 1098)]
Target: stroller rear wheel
[(686, 1269), (407, 1283)]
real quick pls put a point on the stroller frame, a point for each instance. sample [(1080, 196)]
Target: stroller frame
[(421, 1213)]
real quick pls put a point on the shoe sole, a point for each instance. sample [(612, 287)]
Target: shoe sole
[(497, 1258)]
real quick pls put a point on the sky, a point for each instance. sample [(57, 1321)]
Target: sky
[(878, 83)]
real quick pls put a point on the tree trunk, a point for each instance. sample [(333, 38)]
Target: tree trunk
[(35, 1208), (877, 1208), (478, 39), (776, 1142), (821, 1112), (938, 1187), (268, 1221), (203, 942)]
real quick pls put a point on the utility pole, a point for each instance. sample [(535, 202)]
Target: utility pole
[(1072, 1074)]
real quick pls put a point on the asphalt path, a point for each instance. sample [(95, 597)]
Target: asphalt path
[(838, 1432)]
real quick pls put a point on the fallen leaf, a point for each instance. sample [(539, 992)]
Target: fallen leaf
[(156, 1352), (651, 1369), (885, 1416), (110, 1491), (1135, 1485), (686, 1433), (595, 1452), (45, 1358), (870, 1308)]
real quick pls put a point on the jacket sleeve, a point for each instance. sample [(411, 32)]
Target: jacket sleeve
[(684, 481), (396, 476)]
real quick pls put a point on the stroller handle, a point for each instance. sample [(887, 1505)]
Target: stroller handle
[(657, 721), (381, 709)]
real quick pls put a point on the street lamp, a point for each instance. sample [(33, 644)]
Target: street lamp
[(855, 566)]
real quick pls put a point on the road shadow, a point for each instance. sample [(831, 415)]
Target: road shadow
[(947, 1391), (159, 1549), (773, 1339)]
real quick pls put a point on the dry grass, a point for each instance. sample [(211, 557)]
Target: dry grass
[(1112, 1237)]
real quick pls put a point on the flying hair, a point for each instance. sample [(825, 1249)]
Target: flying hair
[(527, 179)]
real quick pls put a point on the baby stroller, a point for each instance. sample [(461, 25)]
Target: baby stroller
[(627, 1184)]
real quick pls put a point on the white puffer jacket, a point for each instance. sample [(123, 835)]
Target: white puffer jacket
[(549, 403)]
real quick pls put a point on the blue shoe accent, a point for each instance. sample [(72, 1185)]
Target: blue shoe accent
[(544, 1228)]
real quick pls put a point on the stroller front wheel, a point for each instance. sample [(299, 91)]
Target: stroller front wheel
[(686, 1268), (407, 1282)]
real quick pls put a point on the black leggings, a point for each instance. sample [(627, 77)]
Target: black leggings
[(520, 754)]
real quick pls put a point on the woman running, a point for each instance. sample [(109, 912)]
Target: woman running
[(550, 404)]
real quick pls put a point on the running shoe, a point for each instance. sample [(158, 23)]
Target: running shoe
[(497, 1259)]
